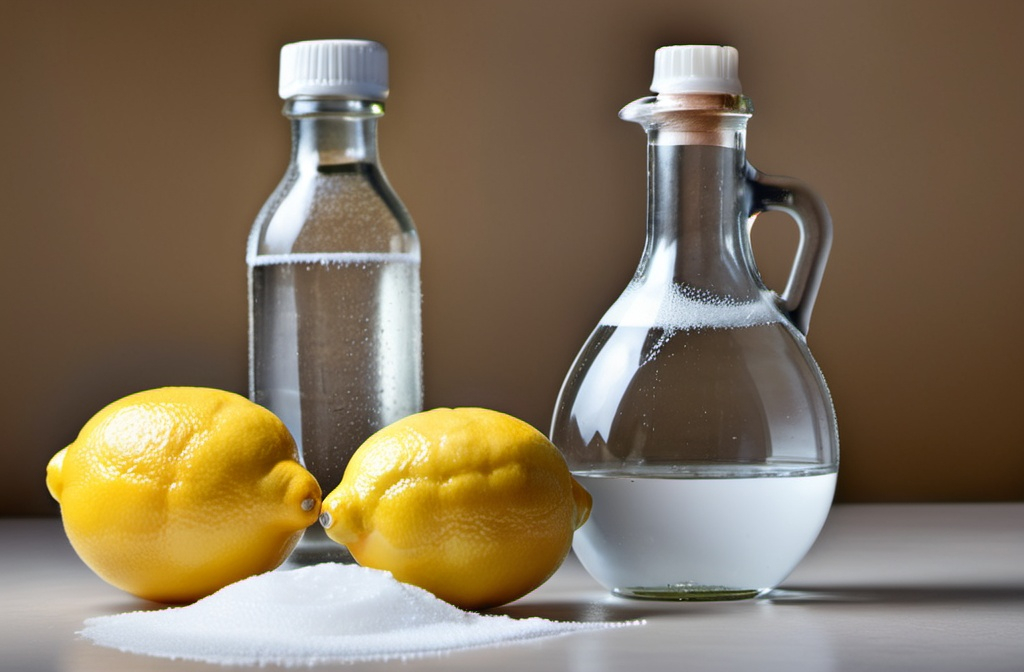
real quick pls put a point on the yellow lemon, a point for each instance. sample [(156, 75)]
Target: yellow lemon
[(471, 504), (173, 493)]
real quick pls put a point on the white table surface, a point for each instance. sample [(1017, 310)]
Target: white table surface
[(887, 587)]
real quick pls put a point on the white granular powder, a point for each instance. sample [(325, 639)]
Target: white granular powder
[(318, 614)]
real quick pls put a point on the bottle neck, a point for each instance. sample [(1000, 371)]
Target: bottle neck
[(698, 201), (333, 131)]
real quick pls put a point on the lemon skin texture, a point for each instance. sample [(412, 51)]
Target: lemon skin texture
[(471, 504), (173, 493)]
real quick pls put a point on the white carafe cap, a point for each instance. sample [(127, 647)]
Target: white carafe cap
[(696, 69), (349, 68)]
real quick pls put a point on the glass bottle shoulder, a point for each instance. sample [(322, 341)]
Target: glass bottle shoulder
[(339, 208)]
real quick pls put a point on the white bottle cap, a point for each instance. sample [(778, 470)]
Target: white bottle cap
[(696, 69), (351, 68)]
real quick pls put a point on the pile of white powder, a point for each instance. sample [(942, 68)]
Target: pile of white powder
[(324, 613)]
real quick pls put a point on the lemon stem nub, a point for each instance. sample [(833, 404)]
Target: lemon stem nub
[(307, 504), (326, 520)]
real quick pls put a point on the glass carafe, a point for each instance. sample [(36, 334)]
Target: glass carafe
[(695, 414)]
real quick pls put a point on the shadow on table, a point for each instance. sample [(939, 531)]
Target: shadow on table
[(893, 595), (607, 608), (128, 604), (611, 609)]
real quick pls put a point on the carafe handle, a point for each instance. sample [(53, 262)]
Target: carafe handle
[(784, 194)]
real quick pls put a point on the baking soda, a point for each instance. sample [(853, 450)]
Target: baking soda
[(317, 614)]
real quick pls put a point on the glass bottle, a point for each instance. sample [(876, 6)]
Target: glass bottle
[(695, 414), (334, 260)]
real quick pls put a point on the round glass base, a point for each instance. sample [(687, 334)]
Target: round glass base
[(685, 592)]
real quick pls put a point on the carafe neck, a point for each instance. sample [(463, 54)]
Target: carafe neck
[(332, 131), (698, 201)]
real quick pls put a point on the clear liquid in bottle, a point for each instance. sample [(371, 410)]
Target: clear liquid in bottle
[(334, 278)]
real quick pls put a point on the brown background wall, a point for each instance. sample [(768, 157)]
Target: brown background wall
[(138, 140)]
